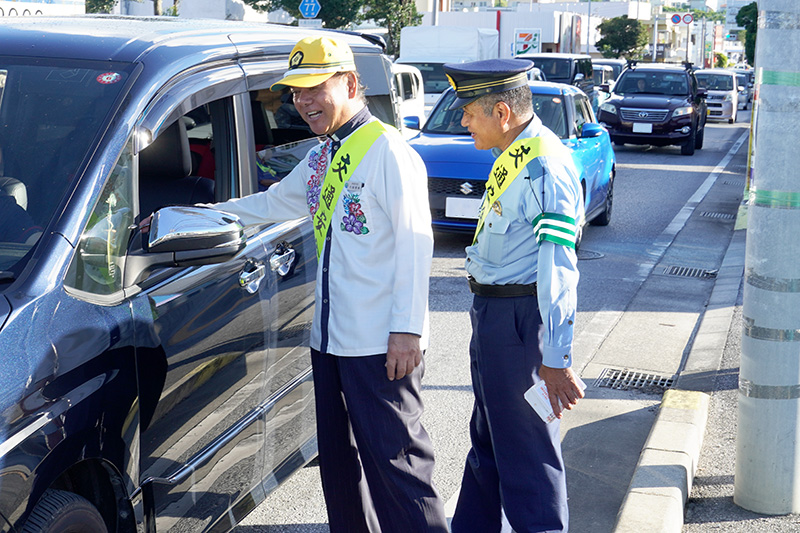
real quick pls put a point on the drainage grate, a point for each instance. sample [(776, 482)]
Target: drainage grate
[(613, 378), (588, 254), (710, 214), (687, 272), (738, 183)]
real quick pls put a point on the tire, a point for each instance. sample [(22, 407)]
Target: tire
[(698, 139), (64, 512), (604, 218), (687, 148), (619, 143)]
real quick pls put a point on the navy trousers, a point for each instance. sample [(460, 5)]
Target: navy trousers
[(376, 459), (515, 461)]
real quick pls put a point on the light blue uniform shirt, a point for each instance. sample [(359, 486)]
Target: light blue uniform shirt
[(506, 251)]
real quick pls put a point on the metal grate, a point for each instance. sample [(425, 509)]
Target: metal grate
[(687, 272), (613, 378), (588, 255), (738, 183), (643, 115), (452, 187), (711, 214)]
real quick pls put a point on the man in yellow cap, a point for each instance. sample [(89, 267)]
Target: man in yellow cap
[(366, 191), (523, 274)]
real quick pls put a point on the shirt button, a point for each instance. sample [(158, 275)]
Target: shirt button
[(569, 322), (566, 357), (325, 270), (490, 224), (325, 301), (468, 260), (327, 239)]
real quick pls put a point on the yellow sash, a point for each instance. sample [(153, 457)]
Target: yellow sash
[(339, 171), (509, 165)]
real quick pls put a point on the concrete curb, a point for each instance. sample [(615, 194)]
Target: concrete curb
[(662, 480)]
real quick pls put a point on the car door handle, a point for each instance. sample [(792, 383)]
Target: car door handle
[(250, 277), (282, 259)]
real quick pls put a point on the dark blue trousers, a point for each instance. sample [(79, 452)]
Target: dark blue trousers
[(376, 459), (515, 461)]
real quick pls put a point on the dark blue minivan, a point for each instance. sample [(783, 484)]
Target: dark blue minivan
[(155, 381)]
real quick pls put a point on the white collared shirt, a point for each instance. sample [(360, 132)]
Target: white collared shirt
[(381, 244)]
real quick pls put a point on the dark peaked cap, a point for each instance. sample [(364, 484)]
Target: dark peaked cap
[(479, 78)]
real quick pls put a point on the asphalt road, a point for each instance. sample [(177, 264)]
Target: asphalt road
[(653, 187)]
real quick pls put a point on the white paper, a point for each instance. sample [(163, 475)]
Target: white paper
[(540, 401)]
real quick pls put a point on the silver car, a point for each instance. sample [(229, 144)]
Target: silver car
[(723, 93)]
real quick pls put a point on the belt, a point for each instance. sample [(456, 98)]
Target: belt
[(501, 291)]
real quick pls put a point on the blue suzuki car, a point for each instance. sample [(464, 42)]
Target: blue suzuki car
[(457, 171)]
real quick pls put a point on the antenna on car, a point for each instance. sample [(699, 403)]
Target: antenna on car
[(688, 65), (632, 63)]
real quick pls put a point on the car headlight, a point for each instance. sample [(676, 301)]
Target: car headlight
[(728, 97), (609, 108), (680, 111)]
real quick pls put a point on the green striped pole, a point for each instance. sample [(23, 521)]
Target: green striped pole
[(767, 445)]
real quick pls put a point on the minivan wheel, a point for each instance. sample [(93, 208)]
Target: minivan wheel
[(60, 511), (687, 148)]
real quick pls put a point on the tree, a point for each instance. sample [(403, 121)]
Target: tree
[(394, 15), (747, 17), (334, 13), (100, 6), (720, 60), (621, 37)]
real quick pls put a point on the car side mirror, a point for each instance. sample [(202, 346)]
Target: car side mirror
[(740, 88), (702, 93), (578, 77), (184, 236), (590, 130), (605, 87), (411, 123)]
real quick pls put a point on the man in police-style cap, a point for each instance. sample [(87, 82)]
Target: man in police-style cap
[(523, 273), (366, 191)]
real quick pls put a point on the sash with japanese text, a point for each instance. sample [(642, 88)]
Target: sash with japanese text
[(509, 165), (341, 168)]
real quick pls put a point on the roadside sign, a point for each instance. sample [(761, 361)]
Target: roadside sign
[(688, 18), (676, 18), (527, 41), (309, 8)]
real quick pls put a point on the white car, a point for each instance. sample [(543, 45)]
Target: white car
[(723, 93)]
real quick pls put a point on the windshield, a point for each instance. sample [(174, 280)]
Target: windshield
[(715, 82), (639, 82), (434, 80), (741, 79), (49, 113), (554, 69), (549, 108)]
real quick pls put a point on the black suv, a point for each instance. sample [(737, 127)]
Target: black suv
[(656, 104)]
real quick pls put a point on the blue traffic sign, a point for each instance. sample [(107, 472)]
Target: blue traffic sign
[(309, 8)]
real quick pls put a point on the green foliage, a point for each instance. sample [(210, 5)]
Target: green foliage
[(720, 60), (621, 37), (747, 17), (394, 15), (334, 13), (100, 6)]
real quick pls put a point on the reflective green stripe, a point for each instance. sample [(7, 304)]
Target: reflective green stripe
[(554, 227), (775, 199), (776, 77)]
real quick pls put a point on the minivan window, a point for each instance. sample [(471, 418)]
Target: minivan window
[(50, 112), (715, 82), (554, 68), (434, 80)]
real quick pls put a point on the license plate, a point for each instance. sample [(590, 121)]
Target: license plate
[(462, 207), (642, 127)]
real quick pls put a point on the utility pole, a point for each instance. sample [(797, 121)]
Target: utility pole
[(767, 476), (656, 10)]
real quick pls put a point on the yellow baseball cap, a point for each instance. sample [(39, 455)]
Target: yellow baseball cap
[(314, 60)]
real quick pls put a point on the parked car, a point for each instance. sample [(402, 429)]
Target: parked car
[(723, 93), (457, 171), (603, 85), (156, 381), (656, 104), (572, 69)]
